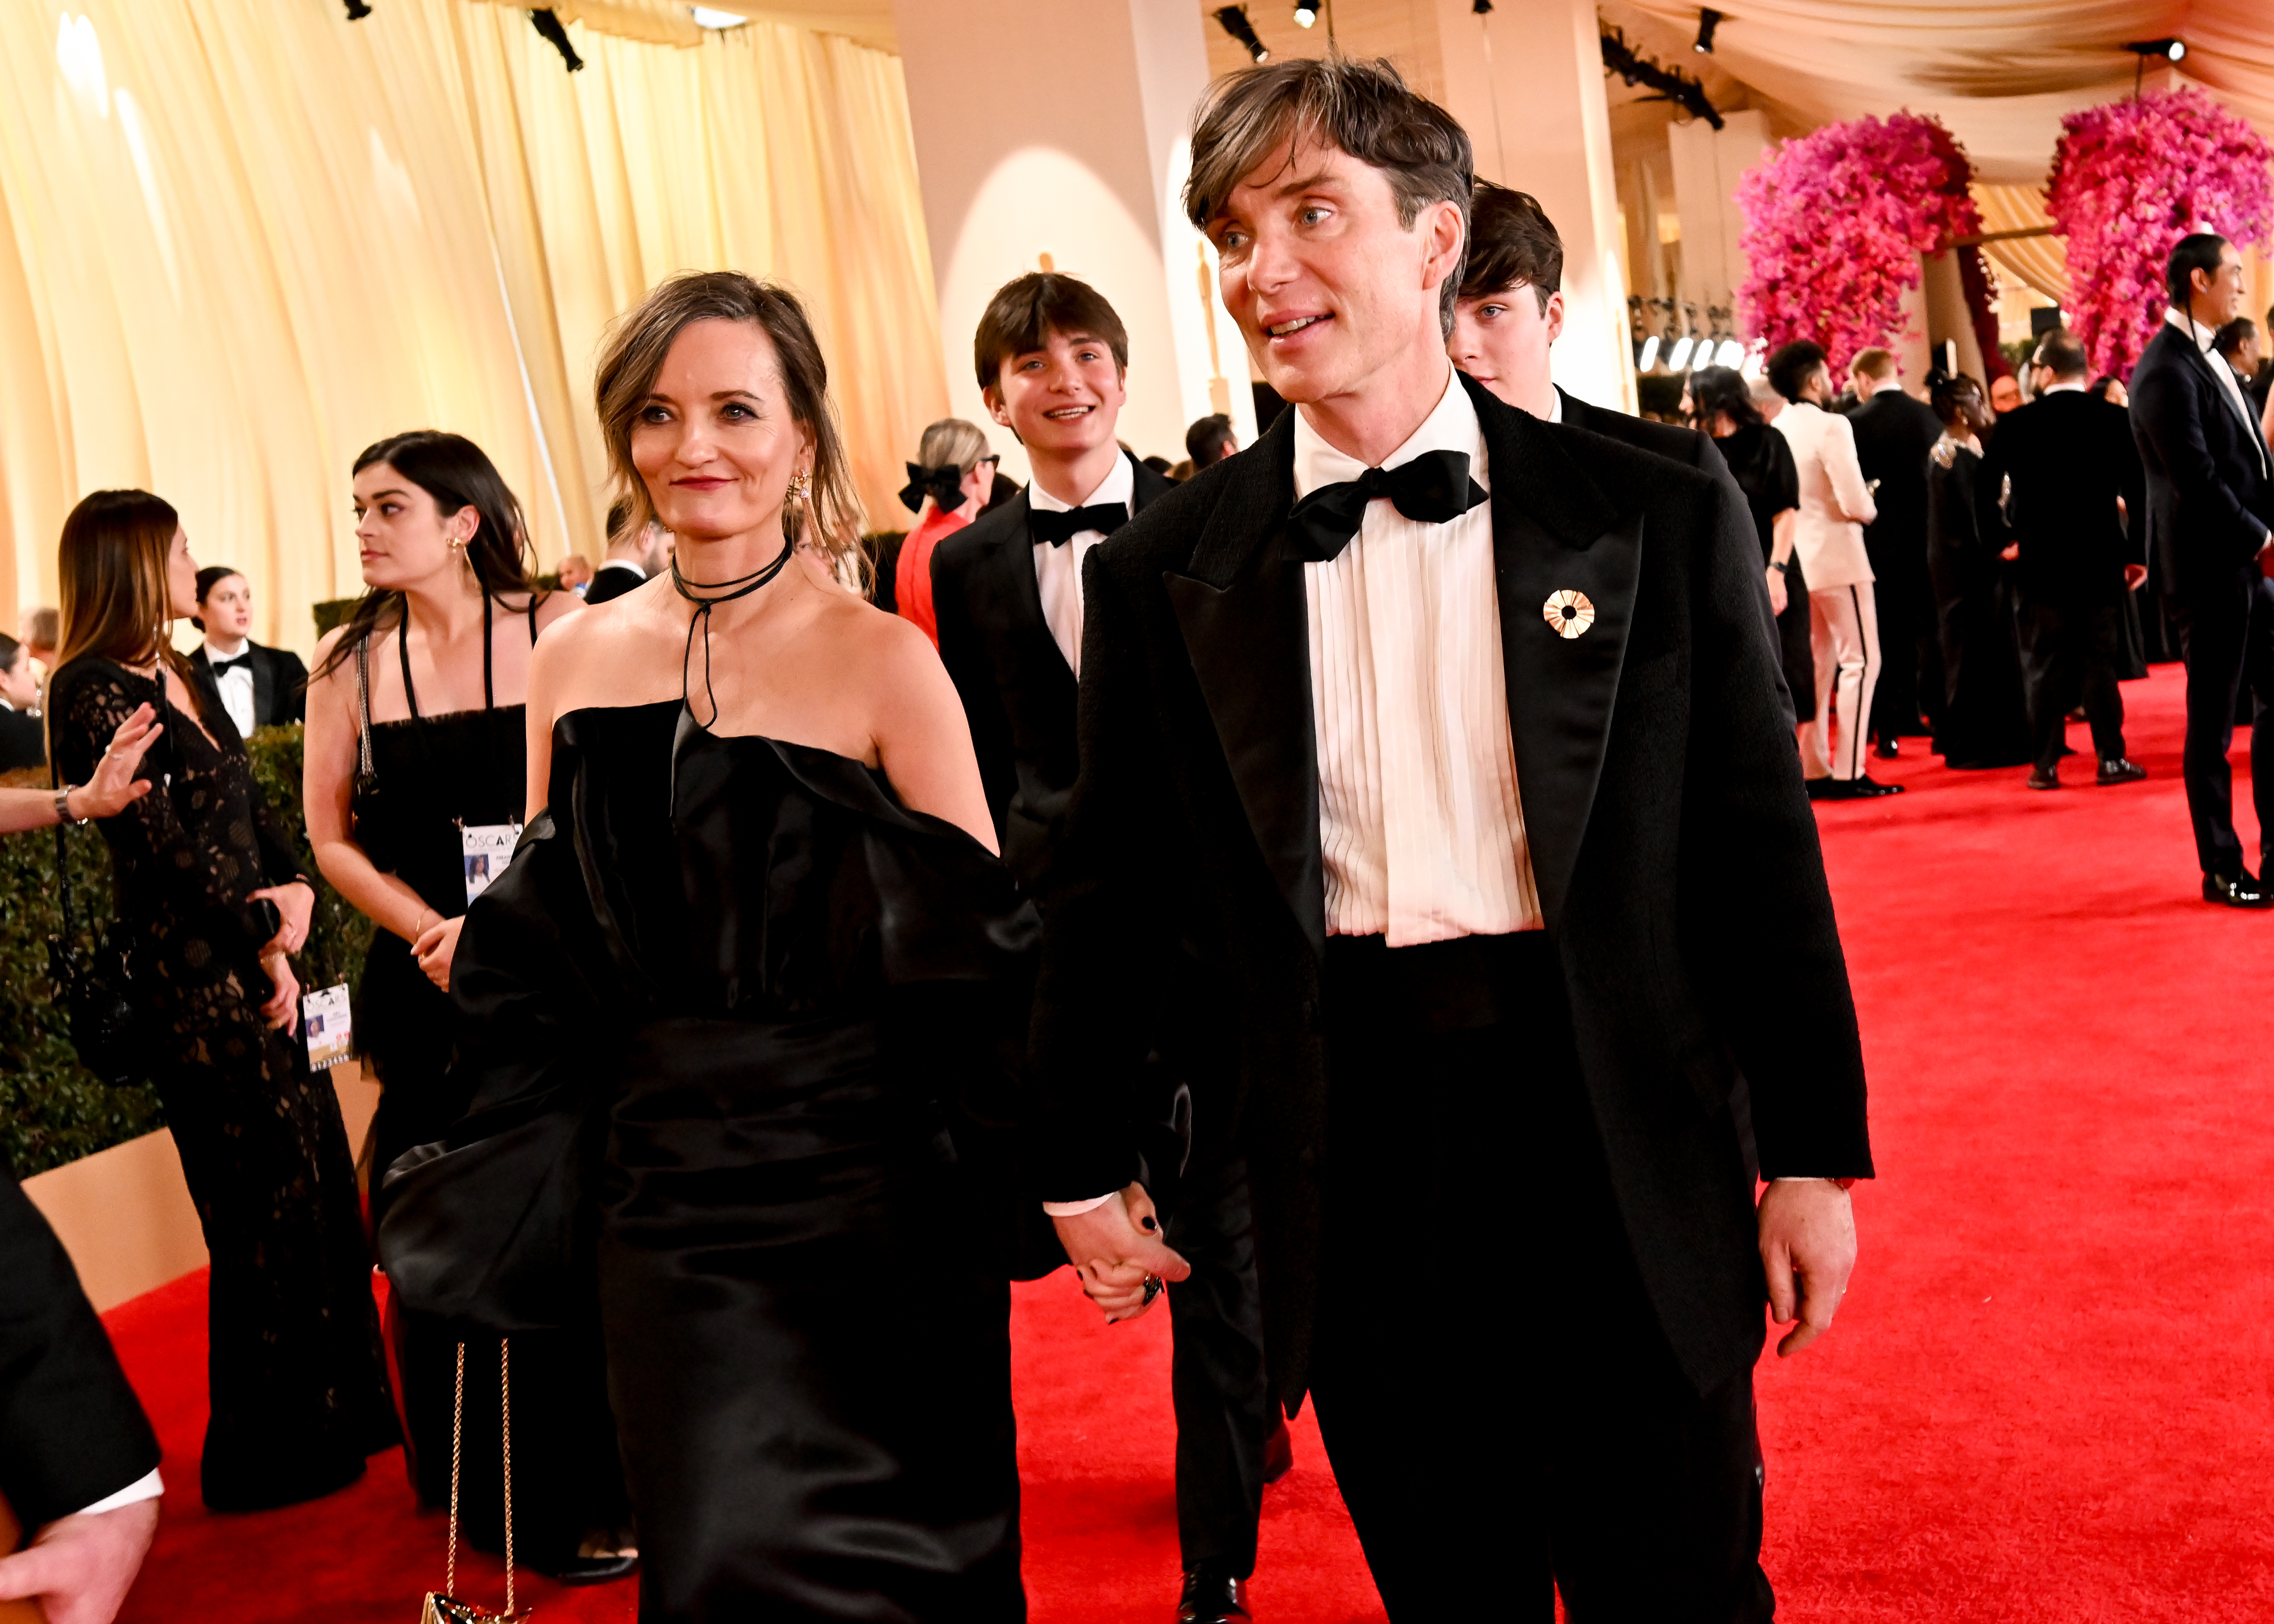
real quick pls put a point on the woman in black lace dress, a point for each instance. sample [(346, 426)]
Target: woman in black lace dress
[(212, 898), (415, 772), (751, 968)]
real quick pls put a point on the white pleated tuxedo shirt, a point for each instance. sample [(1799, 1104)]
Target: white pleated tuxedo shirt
[(1420, 826), (1057, 570)]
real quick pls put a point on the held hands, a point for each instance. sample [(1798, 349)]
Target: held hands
[(296, 903), (435, 947), (282, 1008), (80, 1567), (1808, 1246), (114, 785), (1114, 1247), (1780, 595)]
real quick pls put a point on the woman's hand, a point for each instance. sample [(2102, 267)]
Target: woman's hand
[(1778, 595), (296, 903), (114, 785), (282, 1008), (435, 949)]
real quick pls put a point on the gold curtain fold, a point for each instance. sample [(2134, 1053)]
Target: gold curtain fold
[(241, 239), (2040, 262)]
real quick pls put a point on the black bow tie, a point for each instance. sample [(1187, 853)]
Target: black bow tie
[(1059, 528), (1432, 489), (219, 666)]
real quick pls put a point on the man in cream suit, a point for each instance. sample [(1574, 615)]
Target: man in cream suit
[(1835, 505)]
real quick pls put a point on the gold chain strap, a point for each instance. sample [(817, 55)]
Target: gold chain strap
[(505, 1427), (434, 1609), (458, 1455)]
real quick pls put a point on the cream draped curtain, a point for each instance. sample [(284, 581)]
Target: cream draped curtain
[(242, 239)]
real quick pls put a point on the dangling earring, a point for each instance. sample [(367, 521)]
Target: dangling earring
[(458, 547), (798, 484)]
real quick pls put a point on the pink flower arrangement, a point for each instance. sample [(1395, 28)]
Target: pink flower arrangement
[(2128, 181), (1834, 225)]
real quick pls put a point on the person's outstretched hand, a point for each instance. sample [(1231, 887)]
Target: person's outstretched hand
[(80, 1568), (1114, 1247), (1808, 1246), (114, 785)]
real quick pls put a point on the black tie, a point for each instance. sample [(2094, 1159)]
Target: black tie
[(1433, 488), (1059, 528), (219, 666)]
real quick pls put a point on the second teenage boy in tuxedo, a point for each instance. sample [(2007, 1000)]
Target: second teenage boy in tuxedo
[(1431, 753), (2076, 553), (1893, 434), (632, 558), (1052, 359), (259, 686)]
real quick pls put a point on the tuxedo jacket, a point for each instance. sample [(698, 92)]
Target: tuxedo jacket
[(1017, 689), (1672, 843), (2070, 457), (2207, 493), (23, 740), (613, 580), (280, 681), (71, 1431), (1667, 439), (1893, 434)]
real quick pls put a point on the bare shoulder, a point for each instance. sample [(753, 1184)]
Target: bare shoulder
[(326, 646), (887, 644), (556, 605)]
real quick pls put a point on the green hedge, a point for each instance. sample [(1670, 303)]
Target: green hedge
[(52, 1110)]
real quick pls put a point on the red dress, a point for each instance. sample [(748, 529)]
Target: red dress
[(912, 574)]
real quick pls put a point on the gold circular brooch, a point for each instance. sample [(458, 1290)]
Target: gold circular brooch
[(1569, 613)]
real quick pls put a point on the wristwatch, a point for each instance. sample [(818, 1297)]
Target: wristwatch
[(62, 806)]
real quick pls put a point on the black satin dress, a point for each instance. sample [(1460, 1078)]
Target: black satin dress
[(735, 1007), (1985, 714)]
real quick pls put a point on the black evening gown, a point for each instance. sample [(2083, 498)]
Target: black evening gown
[(730, 1011), (1762, 463), (299, 1383), (429, 776), (1986, 715)]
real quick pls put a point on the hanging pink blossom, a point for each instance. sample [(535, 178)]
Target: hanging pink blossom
[(1834, 225), (2128, 181)]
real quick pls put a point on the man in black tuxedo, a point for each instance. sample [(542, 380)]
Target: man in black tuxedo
[(258, 686), (2072, 461), (1466, 817), (631, 558), (23, 739), (2211, 494), (78, 1464), (1051, 357), (1893, 434)]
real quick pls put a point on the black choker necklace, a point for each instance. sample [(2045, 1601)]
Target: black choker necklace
[(725, 592)]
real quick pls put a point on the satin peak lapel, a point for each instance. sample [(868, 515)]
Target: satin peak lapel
[(1246, 621), (1555, 531)]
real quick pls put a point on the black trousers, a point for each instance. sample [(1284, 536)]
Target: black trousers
[(2227, 637), (2072, 649), (1223, 1394), (1503, 1412)]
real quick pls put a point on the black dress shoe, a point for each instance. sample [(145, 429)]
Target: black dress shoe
[(2045, 777), (2123, 770), (1863, 786), (2236, 891), (1213, 1599), (1278, 1452), (1887, 749), (1825, 788)]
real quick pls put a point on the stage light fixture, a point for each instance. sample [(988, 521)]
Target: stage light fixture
[(1306, 12), (1678, 357), (2170, 50), (1729, 352), (705, 17), (1649, 356), (1709, 20), (1233, 20), (356, 11)]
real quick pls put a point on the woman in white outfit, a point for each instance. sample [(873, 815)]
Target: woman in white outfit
[(1835, 504)]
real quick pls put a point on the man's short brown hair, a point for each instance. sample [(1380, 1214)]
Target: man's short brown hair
[(1027, 310), (1513, 244), (1876, 364), (1363, 109)]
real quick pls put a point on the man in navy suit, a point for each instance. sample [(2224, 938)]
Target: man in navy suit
[(2211, 494)]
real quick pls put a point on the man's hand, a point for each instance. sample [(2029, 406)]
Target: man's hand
[(80, 1568), (1808, 1246), (1114, 1247), (2011, 551), (2136, 576)]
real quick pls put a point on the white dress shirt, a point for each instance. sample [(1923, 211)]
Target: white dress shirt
[(1420, 826), (149, 1485), (236, 686), (1835, 504), (1057, 570), (2202, 338)]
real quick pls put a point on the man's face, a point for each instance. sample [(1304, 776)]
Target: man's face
[(1501, 341), (2004, 396), (2246, 354), (2219, 294), (1329, 289), (1063, 399)]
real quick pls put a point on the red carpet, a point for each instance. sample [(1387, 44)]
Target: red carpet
[(2046, 1398)]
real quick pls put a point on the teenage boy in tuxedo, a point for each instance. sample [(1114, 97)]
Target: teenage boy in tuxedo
[(1431, 751), (1052, 360)]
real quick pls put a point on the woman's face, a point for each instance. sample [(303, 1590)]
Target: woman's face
[(978, 483), (403, 536), (181, 577), (18, 686), (227, 610), (714, 440)]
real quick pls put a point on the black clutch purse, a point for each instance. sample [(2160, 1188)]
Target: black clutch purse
[(92, 986)]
